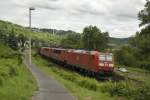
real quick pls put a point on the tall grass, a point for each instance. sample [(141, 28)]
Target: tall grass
[(131, 91), (16, 82)]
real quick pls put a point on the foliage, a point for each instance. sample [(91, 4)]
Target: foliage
[(16, 82), (144, 14), (72, 40), (143, 37), (128, 89), (94, 39), (115, 43), (91, 39), (126, 56), (139, 53), (17, 36)]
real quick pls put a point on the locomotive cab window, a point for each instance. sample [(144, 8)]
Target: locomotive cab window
[(46, 49), (102, 57), (106, 57), (109, 57)]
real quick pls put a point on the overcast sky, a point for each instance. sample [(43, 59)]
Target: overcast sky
[(118, 17)]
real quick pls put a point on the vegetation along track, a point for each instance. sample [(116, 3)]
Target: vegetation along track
[(115, 77), (82, 87), (126, 88)]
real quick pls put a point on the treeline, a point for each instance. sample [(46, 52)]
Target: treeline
[(17, 37), (92, 38), (138, 52)]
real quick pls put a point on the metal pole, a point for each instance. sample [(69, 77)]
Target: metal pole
[(30, 37), (30, 40)]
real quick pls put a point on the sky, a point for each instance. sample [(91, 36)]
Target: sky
[(118, 17)]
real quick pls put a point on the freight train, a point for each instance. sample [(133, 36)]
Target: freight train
[(93, 62)]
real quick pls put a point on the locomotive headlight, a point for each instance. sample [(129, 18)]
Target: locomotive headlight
[(101, 64), (111, 65)]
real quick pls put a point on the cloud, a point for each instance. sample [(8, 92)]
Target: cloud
[(90, 7), (47, 4), (118, 17)]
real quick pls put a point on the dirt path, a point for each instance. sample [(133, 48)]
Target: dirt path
[(49, 89)]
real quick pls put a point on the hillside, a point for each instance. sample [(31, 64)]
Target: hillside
[(117, 42), (113, 41), (8, 29), (15, 34), (53, 31)]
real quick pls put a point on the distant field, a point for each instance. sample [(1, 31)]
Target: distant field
[(117, 42)]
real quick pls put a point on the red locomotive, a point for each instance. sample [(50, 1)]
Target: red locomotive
[(91, 61)]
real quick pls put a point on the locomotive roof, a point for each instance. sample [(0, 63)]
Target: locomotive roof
[(75, 50), (58, 48), (85, 51), (55, 48)]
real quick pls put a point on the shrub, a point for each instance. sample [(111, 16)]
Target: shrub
[(145, 64), (13, 71), (119, 89), (90, 84), (125, 56), (142, 93), (129, 90), (1, 80)]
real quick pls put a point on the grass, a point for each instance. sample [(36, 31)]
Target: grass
[(16, 82), (134, 87), (83, 88), (136, 74)]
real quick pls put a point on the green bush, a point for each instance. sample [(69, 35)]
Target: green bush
[(125, 56), (127, 89), (145, 64), (90, 84), (13, 71), (142, 93), (1, 80), (8, 68)]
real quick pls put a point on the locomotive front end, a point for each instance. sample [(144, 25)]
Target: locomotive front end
[(106, 62)]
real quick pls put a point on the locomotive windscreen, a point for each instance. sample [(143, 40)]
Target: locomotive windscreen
[(106, 57)]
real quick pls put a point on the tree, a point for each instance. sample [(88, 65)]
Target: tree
[(73, 40), (126, 56), (144, 15), (93, 38), (12, 41), (141, 41), (144, 36)]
